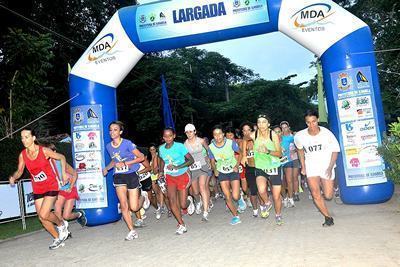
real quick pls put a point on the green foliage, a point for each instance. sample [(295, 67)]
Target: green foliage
[(390, 151)]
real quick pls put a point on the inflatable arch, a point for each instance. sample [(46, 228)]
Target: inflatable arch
[(337, 37)]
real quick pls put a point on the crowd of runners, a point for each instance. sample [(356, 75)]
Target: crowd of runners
[(259, 167)]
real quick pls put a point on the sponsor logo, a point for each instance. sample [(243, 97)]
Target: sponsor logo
[(368, 137), (368, 126), (362, 101), (199, 12), (95, 187), (363, 112), (78, 136), (351, 151), (82, 166), (92, 145), (79, 157), (91, 114), (236, 3), (362, 81), (312, 18), (92, 135), (355, 162), (344, 81), (345, 105), (102, 51), (142, 19), (349, 126), (77, 116), (79, 146), (162, 16)]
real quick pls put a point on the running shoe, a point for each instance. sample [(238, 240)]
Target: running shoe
[(296, 197), (198, 207), (328, 222), (181, 229), (337, 193), (210, 206), (63, 232), (131, 235), (142, 213), (56, 244), (310, 197), (82, 220), (146, 203), (139, 223), (219, 195), (184, 212), (290, 203), (248, 202), (205, 217), (242, 203), (269, 206), (264, 212), (169, 214), (285, 202), (255, 213), (235, 220), (278, 220), (158, 213), (190, 207)]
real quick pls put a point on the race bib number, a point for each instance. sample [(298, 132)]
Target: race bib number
[(166, 170), (240, 168), (227, 169), (284, 160), (273, 171), (123, 169), (250, 154), (314, 148), (40, 177), (144, 176), (195, 166)]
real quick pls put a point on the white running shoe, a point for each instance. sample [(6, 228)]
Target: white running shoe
[(191, 207), (56, 244), (63, 232), (210, 206), (205, 217), (285, 202), (146, 203), (181, 229), (290, 203), (158, 213), (131, 235), (139, 223), (198, 207)]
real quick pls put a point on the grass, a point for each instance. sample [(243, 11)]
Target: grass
[(12, 229)]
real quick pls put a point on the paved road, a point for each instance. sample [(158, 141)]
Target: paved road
[(366, 235)]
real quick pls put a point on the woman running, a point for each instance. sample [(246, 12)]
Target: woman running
[(44, 184), (174, 162), (267, 153), (199, 169), (125, 159), (225, 166), (68, 193)]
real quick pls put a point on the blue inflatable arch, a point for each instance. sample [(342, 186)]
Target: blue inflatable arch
[(337, 37)]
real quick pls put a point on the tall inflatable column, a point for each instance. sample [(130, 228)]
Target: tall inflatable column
[(94, 78)]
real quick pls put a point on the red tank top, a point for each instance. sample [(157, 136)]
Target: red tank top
[(43, 177)]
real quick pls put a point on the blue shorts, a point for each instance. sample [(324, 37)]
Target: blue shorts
[(295, 164), (232, 176)]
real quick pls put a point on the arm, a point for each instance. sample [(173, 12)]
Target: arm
[(74, 174), (302, 161), (48, 153), (108, 167), (161, 165), (188, 161), (139, 158), (278, 148), (214, 167), (146, 165), (331, 164), (20, 170)]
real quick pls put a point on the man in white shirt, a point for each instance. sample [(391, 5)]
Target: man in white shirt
[(318, 150)]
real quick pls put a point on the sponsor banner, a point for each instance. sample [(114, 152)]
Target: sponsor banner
[(88, 148), (9, 202), (170, 19), (110, 57), (317, 25), (353, 95), (29, 202)]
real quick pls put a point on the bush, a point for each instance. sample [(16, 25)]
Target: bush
[(9, 152), (390, 151)]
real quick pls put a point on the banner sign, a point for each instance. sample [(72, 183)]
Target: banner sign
[(88, 148), (29, 202), (183, 18), (357, 113), (9, 202)]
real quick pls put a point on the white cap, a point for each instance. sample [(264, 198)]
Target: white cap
[(190, 127)]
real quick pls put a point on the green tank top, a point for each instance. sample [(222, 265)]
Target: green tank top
[(265, 161), (224, 156)]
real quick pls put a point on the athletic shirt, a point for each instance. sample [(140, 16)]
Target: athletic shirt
[(250, 154), (197, 152), (123, 153), (317, 148), (288, 147), (174, 155), (265, 161), (224, 155), (43, 177)]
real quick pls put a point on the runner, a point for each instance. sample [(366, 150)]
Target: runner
[(68, 193), (225, 166), (44, 184), (199, 169), (174, 162), (318, 150), (248, 161), (125, 159), (292, 165), (145, 190), (230, 133), (267, 153)]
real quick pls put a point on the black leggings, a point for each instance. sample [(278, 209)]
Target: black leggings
[(251, 180)]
